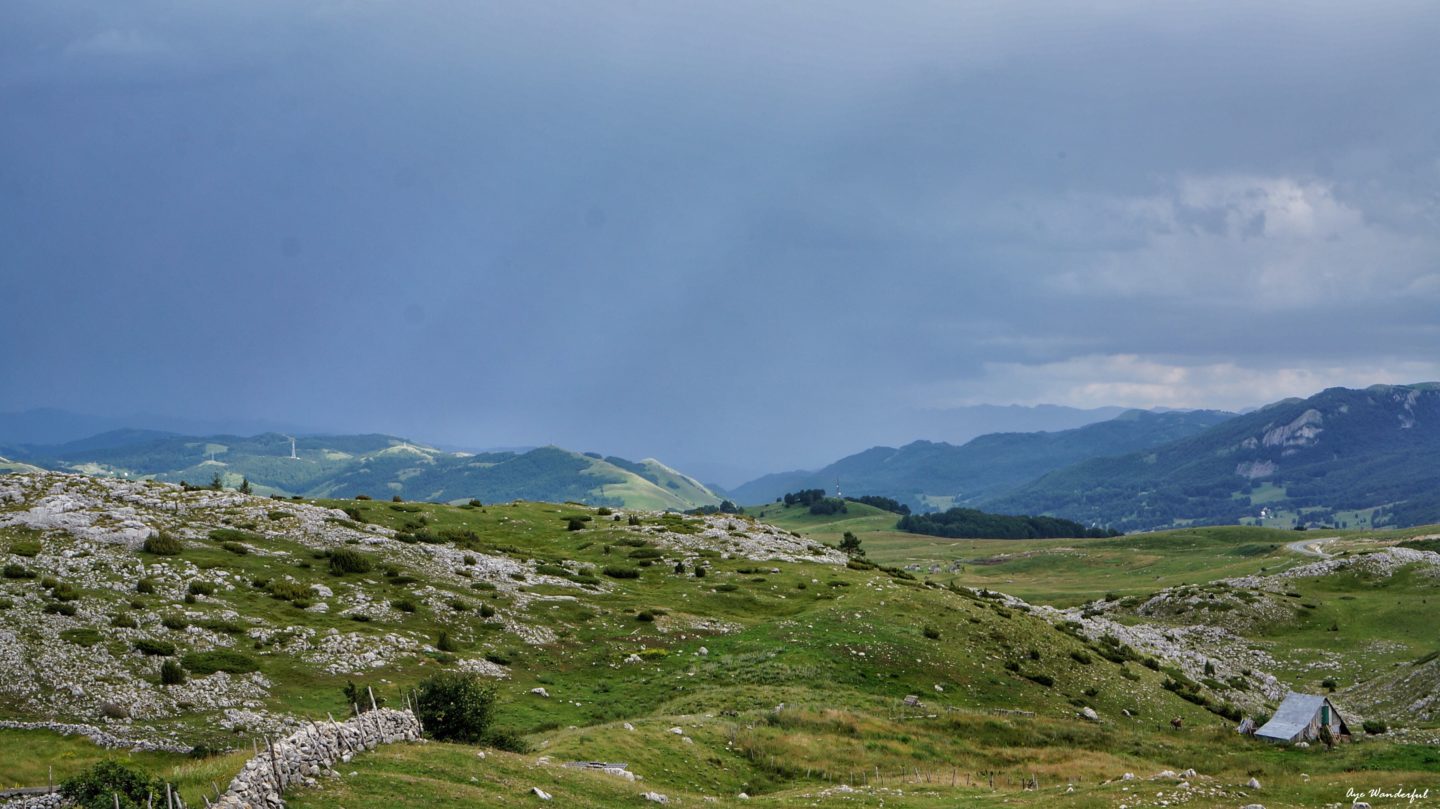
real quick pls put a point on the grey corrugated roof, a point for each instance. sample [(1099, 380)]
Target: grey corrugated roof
[(1292, 716)]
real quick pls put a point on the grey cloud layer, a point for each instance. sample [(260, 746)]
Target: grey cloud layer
[(696, 232)]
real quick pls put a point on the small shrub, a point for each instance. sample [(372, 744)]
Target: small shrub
[(1041, 679), (456, 707), (171, 673), (1083, 658), (235, 548), (146, 586), (163, 544), (226, 660), (403, 604), (615, 572), (508, 740), (498, 659), (349, 560), (154, 648), (1375, 727), (110, 782), (646, 617), (201, 588), (574, 524), (81, 637), (59, 608), (175, 622), (445, 644), (1329, 684), (26, 549), (932, 633), (13, 571)]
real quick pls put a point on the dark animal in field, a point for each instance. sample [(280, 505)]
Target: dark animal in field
[(1177, 723)]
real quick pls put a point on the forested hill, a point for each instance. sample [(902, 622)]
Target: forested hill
[(1342, 457), (375, 465), (986, 467)]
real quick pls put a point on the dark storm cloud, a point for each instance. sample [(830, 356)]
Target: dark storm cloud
[(735, 234)]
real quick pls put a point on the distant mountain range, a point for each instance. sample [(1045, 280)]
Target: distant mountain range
[(985, 467), (1345, 458), (1342, 458), (376, 465)]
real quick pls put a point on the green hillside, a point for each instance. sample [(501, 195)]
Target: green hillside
[(1344, 458), (379, 466), (784, 667), (984, 467)]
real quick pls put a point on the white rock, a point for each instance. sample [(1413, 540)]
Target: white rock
[(628, 726), (678, 731), (655, 797), (1129, 776), (1089, 713), (1253, 783), (540, 692), (702, 651), (540, 793)]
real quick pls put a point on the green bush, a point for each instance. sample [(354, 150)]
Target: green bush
[(163, 544), (13, 571), (235, 548), (146, 586), (226, 660), (574, 524), (349, 560), (456, 706), (59, 608), (25, 548), (445, 644), (81, 637), (404, 604), (109, 782), (171, 673), (200, 588), (175, 622), (154, 648), (1083, 658), (1375, 727), (621, 572), (932, 633)]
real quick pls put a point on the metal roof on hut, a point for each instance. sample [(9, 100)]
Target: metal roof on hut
[(1300, 717)]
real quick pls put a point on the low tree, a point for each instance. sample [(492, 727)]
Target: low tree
[(456, 706), (172, 673), (215, 483), (245, 485), (850, 545), (108, 784)]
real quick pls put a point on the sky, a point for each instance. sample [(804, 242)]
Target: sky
[(737, 236)]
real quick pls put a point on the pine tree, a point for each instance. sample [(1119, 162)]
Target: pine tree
[(215, 483), (244, 485)]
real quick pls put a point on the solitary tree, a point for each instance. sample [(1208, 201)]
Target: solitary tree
[(215, 483), (850, 545), (456, 707), (244, 485)]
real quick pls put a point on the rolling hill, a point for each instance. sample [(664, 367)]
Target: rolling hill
[(377, 465), (985, 467), (715, 659), (1341, 457)]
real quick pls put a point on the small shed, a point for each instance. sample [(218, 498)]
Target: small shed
[(1299, 719)]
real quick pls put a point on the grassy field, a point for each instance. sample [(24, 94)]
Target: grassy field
[(718, 655)]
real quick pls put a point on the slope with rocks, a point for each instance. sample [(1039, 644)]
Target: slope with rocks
[(1342, 457)]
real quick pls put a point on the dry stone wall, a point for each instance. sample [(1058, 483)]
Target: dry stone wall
[(311, 752)]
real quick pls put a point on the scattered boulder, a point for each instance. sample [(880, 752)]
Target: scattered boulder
[(1253, 783), (655, 797), (540, 692), (1087, 712), (540, 793)]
